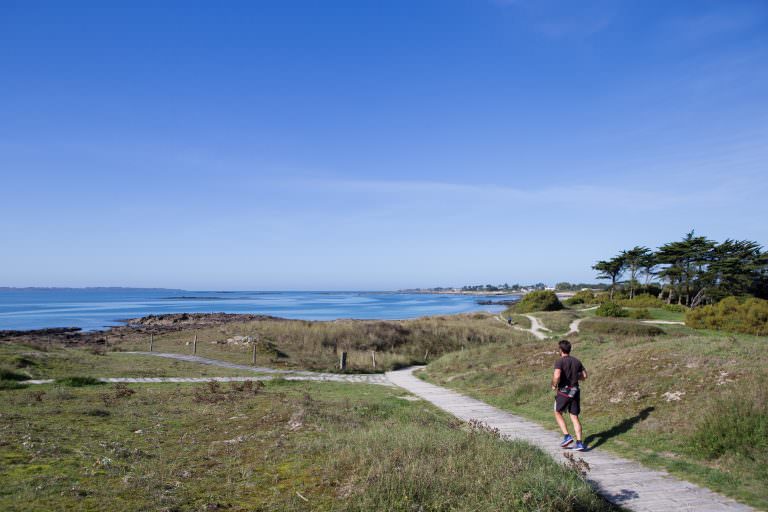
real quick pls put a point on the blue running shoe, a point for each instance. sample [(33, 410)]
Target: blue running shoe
[(580, 446), (567, 439)]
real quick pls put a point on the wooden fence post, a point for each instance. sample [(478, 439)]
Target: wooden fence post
[(194, 345), (373, 357), (151, 341), (343, 361), (253, 355)]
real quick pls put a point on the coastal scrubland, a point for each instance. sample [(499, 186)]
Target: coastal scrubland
[(278, 446), (690, 401), (687, 400), (44, 361), (297, 344)]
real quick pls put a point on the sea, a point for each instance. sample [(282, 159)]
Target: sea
[(100, 308)]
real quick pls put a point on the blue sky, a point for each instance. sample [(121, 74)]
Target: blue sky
[(373, 145)]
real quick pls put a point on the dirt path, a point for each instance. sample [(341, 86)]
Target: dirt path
[(573, 328), (620, 481), (266, 373), (537, 329)]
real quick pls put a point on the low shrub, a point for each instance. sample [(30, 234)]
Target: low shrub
[(78, 382), (610, 309), (23, 362), (676, 308), (620, 327), (740, 427), (6, 374), (543, 300), (732, 314), (639, 314), (581, 297), (602, 297), (11, 384), (643, 300)]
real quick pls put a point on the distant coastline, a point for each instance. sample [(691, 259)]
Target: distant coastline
[(100, 308)]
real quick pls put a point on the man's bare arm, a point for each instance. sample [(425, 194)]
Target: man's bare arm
[(583, 374), (555, 378)]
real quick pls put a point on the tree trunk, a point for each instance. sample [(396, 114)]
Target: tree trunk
[(698, 298)]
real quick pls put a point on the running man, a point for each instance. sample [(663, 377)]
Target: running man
[(565, 381)]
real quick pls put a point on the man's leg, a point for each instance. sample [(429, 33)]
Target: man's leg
[(576, 425), (561, 423)]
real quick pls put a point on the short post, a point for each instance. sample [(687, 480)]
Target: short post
[(343, 361), (373, 358), (253, 351), (151, 341), (194, 345)]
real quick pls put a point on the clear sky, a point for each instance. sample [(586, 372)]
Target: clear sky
[(369, 144)]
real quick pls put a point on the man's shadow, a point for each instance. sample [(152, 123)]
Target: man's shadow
[(596, 440)]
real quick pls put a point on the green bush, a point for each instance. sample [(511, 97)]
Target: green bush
[(748, 316), (6, 374), (543, 300), (602, 297), (581, 297), (639, 314), (620, 327), (610, 309), (676, 308), (11, 384), (642, 301), (79, 382)]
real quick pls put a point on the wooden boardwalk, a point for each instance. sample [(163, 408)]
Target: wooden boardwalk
[(621, 481)]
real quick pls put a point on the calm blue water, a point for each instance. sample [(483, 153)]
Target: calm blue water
[(99, 308)]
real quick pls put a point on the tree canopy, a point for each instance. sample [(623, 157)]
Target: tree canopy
[(693, 271)]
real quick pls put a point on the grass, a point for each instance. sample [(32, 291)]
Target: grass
[(283, 446), (30, 361), (79, 381), (520, 320), (557, 321), (619, 327), (684, 400), (316, 345), (663, 314)]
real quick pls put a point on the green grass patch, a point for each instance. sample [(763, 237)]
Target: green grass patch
[(620, 327), (79, 381), (58, 362), (284, 446), (666, 314), (557, 321)]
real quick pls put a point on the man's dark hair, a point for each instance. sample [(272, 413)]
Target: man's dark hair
[(565, 346)]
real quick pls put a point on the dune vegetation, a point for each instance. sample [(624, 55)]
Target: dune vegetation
[(667, 395), (279, 446)]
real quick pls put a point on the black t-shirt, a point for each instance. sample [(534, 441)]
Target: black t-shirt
[(570, 369)]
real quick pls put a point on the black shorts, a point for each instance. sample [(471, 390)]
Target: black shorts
[(572, 405)]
